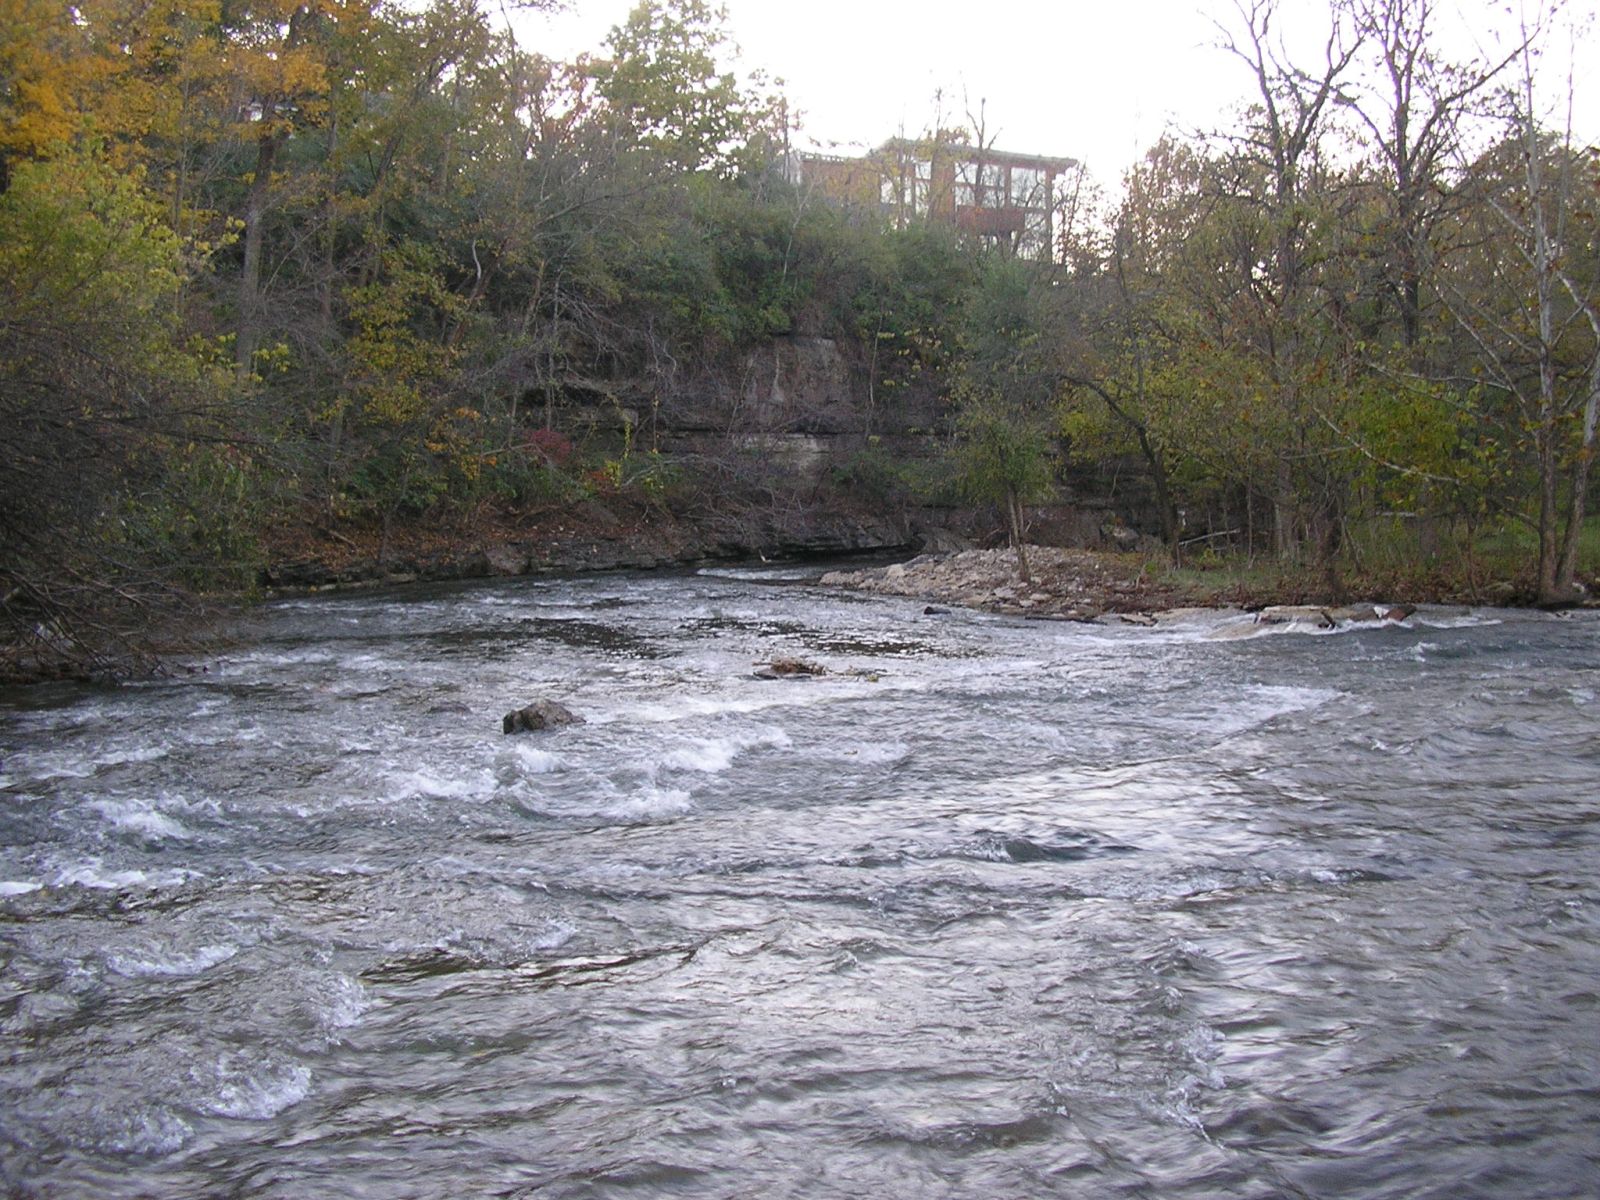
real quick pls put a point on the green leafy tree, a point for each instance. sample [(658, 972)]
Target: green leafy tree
[(1007, 382), (99, 392), (1527, 300), (665, 78), (1002, 455)]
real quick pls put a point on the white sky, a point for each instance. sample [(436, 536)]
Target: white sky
[(1096, 80)]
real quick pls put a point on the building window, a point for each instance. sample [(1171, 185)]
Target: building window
[(1027, 187)]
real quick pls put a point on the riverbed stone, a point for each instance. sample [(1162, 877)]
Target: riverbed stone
[(541, 714), (1283, 614), (790, 668)]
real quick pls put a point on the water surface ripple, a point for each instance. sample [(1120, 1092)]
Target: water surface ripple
[(994, 908)]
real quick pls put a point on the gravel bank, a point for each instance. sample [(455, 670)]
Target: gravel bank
[(1065, 585)]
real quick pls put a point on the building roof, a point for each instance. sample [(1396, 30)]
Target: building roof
[(987, 153)]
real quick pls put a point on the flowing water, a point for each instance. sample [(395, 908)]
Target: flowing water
[(993, 909)]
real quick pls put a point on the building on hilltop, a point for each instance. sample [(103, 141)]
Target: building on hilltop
[(1012, 199)]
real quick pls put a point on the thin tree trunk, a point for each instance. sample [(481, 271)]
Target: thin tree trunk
[(1567, 571), (330, 233), (1014, 516), (1543, 261), (1152, 459), (248, 333), (1548, 505), (1284, 543)]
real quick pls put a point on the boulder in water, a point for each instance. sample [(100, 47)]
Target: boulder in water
[(541, 714), (1333, 616), (790, 668), (1288, 614)]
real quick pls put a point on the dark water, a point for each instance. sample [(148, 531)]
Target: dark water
[(995, 909)]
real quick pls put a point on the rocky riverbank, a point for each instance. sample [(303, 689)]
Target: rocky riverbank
[(1091, 585), (1066, 585), (590, 536), (1088, 585)]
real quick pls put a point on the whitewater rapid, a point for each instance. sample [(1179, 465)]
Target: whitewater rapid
[(992, 907)]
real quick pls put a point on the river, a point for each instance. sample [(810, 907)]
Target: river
[(994, 908)]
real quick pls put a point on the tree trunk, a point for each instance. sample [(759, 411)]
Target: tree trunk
[(1549, 483), (1567, 572), (1285, 543), (1152, 459), (1014, 516), (248, 333), (1328, 525), (1170, 532)]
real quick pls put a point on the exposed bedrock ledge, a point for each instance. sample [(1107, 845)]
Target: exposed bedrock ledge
[(592, 538)]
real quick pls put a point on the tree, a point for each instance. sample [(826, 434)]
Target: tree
[(46, 70), (1412, 114), (1001, 455), (1006, 385), (666, 82), (1528, 300), (97, 391), (276, 60), (1279, 184), (1122, 313)]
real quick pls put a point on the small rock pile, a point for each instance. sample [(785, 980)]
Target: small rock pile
[(1067, 585)]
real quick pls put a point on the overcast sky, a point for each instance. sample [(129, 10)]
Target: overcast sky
[(1096, 80)]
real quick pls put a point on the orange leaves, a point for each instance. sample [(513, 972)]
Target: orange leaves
[(47, 69)]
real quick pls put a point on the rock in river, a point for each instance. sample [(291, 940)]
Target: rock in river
[(541, 714), (790, 668), (1331, 617)]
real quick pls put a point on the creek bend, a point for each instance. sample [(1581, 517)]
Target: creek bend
[(994, 908)]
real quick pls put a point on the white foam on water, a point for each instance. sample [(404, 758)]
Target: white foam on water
[(422, 783), (683, 706), (92, 873), (141, 817), (209, 707), (553, 936), (134, 964), (365, 662), (1252, 629), (48, 767), (649, 801), (1203, 1045), (1264, 702), (311, 655), (535, 761), (253, 1090), (141, 755), (1472, 619), (761, 574), (714, 755), (154, 1130), (1246, 628), (345, 1005), (742, 696), (88, 715)]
